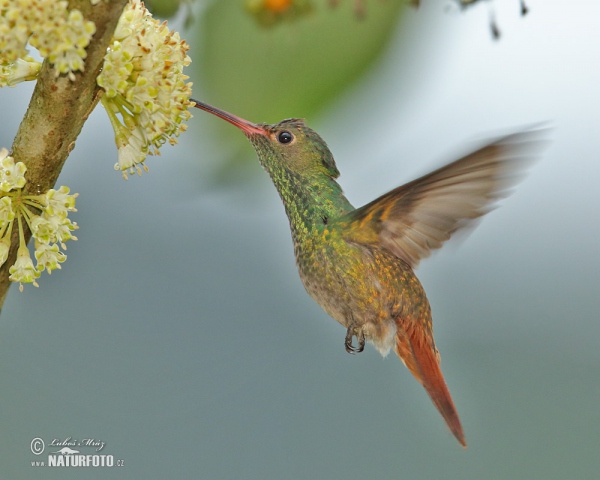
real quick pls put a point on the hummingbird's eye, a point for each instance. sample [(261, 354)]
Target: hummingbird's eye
[(284, 137)]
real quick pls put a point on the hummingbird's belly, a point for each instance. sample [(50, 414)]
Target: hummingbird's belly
[(358, 285)]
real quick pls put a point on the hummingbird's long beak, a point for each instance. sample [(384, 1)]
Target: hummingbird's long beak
[(247, 127)]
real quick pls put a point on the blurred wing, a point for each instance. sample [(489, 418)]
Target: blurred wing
[(420, 216)]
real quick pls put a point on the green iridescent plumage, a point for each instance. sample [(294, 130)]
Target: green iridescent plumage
[(339, 273), (358, 263)]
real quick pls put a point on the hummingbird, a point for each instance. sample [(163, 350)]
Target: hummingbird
[(358, 263)]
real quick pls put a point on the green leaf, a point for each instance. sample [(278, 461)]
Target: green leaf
[(293, 68)]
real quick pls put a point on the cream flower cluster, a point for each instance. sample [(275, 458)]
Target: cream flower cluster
[(143, 82), (44, 214), (145, 91), (58, 34)]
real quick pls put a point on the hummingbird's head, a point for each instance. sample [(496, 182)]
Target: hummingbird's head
[(294, 146), (289, 144)]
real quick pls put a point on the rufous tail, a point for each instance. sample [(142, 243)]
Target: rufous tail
[(420, 357)]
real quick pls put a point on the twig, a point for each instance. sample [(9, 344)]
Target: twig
[(56, 114)]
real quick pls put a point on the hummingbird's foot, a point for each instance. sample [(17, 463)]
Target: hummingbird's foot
[(354, 331)]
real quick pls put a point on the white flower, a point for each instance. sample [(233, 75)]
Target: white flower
[(20, 70), (6, 211), (43, 230), (11, 175), (48, 257), (59, 202), (23, 270), (144, 83)]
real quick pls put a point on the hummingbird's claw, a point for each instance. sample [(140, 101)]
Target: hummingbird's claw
[(360, 337)]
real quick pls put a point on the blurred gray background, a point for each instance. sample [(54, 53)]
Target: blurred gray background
[(178, 331)]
